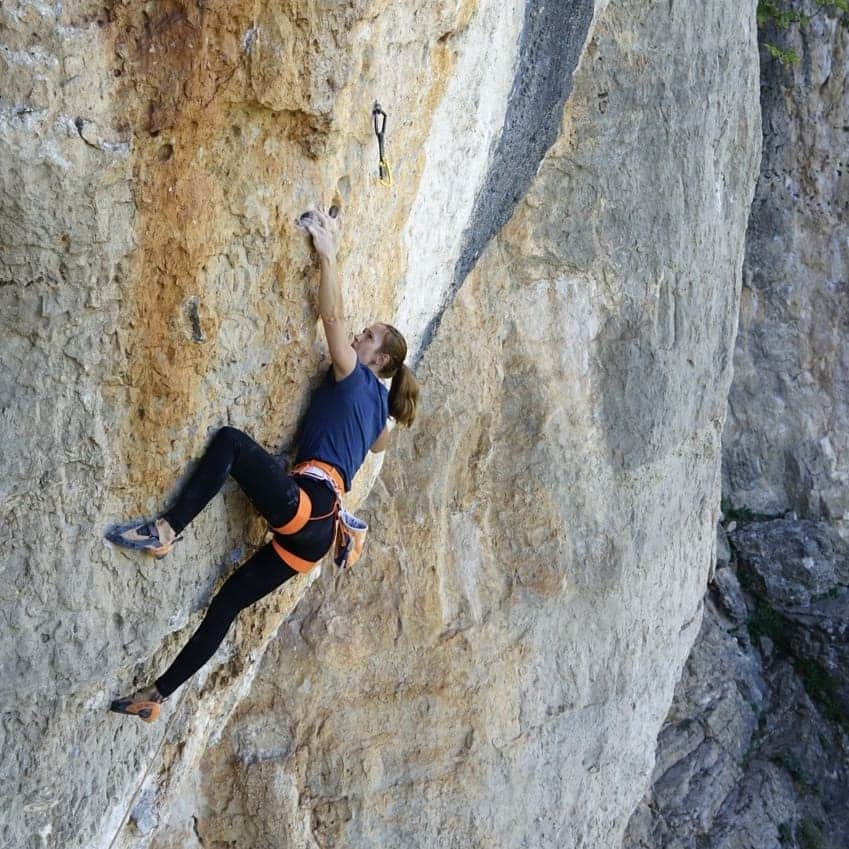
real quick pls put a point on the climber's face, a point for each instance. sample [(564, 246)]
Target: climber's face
[(367, 345)]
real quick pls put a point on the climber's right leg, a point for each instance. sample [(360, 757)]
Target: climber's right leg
[(259, 576), (260, 475), (230, 452)]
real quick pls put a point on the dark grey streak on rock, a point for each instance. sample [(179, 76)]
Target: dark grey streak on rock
[(194, 319), (553, 36)]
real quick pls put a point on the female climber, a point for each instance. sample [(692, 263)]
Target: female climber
[(347, 416)]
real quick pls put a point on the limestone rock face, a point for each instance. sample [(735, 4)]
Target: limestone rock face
[(792, 562), (497, 668), (786, 440), (489, 675), (754, 750)]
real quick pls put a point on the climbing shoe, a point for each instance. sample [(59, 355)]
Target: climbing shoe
[(146, 537), (143, 709)]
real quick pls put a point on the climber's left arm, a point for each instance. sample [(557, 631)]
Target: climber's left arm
[(324, 231), (381, 442)]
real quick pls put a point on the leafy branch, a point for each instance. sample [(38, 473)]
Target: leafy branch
[(782, 14)]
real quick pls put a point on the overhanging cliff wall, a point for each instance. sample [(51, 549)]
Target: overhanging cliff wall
[(153, 289), (494, 674)]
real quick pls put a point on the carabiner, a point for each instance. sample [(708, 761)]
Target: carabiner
[(383, 165), (379, 131)]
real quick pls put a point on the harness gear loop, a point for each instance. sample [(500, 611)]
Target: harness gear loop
[(383, 166)]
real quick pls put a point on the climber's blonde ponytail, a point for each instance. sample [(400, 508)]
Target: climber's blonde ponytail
[(404, 390), (403, 396)]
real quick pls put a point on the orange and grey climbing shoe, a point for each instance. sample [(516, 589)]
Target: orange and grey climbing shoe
[(143, 709), (146, 537)]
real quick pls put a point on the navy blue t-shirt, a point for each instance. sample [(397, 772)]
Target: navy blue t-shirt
[(343, 421)]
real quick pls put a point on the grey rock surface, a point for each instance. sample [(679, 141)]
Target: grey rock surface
[(552, 41), (762, 707), (723, 550), (492, 675), (791, 563), (786, 437), (782, 639)]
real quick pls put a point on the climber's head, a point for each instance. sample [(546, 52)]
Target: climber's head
[(383, 349), (392, 350), (367, 343)]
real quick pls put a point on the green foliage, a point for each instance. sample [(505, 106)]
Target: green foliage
[(833, 592), (794, 767), (782, 14), (771, 12), (809, 834), (787, 56), (744, 514), (766, 622), (744, 576), (823, 690), (785, 834)]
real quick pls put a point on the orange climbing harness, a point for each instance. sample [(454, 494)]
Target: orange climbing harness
[(350, 531)]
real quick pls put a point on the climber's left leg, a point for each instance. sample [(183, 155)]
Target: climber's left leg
[(230, 452), (259, 576), (262, 574)]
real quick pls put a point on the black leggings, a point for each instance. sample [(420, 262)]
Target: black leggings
[(275, 495)]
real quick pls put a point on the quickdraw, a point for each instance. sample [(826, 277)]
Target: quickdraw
[(383, 166)]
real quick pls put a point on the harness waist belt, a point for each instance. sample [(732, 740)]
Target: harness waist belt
[(323, 471)]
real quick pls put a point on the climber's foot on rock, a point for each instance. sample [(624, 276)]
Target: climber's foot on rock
[(156, 538), (145, 705)]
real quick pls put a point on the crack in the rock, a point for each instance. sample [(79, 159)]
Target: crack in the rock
[(553, 38)]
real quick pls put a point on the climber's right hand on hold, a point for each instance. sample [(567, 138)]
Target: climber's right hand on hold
[(323, 228)]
